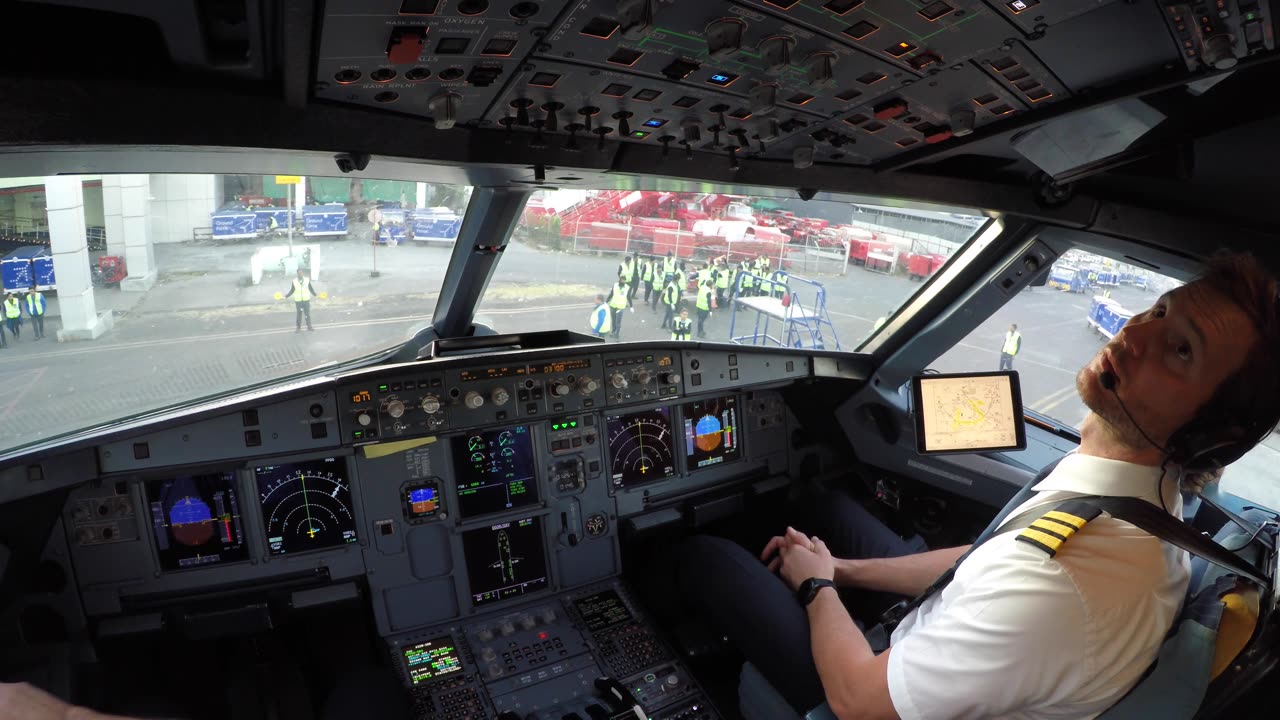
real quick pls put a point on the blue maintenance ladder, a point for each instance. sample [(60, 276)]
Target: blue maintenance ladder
[(798, 325)]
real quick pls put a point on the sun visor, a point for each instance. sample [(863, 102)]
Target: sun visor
[(1083, 138)]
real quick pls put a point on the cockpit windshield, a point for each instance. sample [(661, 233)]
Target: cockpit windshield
[(151, 290), (624, 264)]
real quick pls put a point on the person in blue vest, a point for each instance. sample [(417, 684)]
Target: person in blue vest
[(13, 315), (35, 308), (601, 320)]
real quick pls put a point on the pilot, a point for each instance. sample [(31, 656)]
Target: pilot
[(1017, 632)]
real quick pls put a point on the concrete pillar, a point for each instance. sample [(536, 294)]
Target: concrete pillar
[(299, 197), (139, 253), (112, 217), (80, 318), (422, 195)]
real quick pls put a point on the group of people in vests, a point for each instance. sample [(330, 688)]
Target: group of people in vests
[(13, 308), (666, 280)]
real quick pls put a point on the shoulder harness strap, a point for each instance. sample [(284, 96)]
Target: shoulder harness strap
[(1055, 526)]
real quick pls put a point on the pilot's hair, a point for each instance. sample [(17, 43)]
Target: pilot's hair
[(1250, 397)]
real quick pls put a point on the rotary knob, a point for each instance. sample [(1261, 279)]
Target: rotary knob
[(485, 634), (506, 628), (495, 670), (673, 680), (671, 378), (547, 616), (643, 377), (559, 389), (588, 385), (473, 400), (618, 381), (364, 419), (527, 622), (500, 396), (395, 409), (430, 404), (488, 655)]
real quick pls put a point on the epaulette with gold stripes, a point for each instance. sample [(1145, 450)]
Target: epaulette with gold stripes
[(1055, 527)]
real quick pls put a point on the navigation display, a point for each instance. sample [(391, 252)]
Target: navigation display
[(505, 560), (306, 505), (712, 434), (976, 412), (494, 471), (431, 659), (196, 520), (641, 447), (602, 610)]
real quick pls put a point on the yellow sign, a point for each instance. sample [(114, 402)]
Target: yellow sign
[(288, 179)]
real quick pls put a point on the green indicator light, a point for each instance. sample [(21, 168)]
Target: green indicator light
[(382, 388), (573, 423), (555, 427)]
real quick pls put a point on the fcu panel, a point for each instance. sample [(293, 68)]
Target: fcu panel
[(305, 423)]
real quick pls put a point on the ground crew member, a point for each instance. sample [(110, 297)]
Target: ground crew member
[(682, 328), (704, 306), (748, 288), (646, 278), (704, 275), (722, 282), (618, 301), (36, 308), (627, 273), (780, 283), (1012, 344), (668, 268), (601, 318), (670, 298), (682, 278), (301, 290), (13, 315)]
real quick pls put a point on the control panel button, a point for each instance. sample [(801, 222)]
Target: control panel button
[(500, 396), (364, 419), (395, 409), (618, 380), (430, 404)]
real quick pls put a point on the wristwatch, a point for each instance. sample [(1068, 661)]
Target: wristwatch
[(808, 589)]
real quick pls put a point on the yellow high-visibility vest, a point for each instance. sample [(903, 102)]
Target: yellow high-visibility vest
[(1012, 340), (301, 290)]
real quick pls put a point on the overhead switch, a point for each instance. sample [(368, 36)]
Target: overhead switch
[(635, 17), (406, 44), (444, 110), (890, 110), (936, 133), (724, 37), (962, 122), (776, 53), (820, 69), (680, 69), (763, 99)]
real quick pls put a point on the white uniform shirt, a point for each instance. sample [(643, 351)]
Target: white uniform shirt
[(1019, 635)]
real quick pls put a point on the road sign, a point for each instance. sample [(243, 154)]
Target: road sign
[(288, 179), (375, 215)]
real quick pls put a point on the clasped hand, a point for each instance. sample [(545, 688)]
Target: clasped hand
[(797, 557)]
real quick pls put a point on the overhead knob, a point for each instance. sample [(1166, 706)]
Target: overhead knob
[(588, 385), (430, 404), (724, 37), (741, 135), (574, 129), (600, 133), (671, 378), (522, 106), (539, 141), (692, 133), (624, 127), (395, 408), (820, 68), (643, 377), (776, 53), (587, 113), (666, 143), (527, 622), (473, 400), (552, 122), (444, 109), (500, 396), (364, 419), (559, 389), (618, 381)]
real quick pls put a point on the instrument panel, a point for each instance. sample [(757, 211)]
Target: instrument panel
[(448, 511)]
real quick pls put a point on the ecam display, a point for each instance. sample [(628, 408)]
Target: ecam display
[(494, 471), (505, 560)]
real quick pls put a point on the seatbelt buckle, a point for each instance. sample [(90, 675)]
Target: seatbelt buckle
[(890, 618)]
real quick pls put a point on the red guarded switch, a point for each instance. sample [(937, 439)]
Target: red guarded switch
[(890, 110), (406, 45), (937, 134)]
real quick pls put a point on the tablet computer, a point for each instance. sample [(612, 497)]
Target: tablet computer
[(968, 413)]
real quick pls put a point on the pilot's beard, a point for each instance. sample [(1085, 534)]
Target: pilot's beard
[(1104, 404)]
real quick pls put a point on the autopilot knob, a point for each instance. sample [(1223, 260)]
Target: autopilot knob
[(588, 385), (500, 396), (559, 389), (618, 380), (473, 400), (395, 409), (670, 378), (506, 628), (430, 404), (364, 419), (643, 376), (527, 622), (488, 654)]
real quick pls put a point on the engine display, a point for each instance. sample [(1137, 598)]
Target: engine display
[(196, 520), (641, 449), (711, 432), (505, 560), (494, 471), (306, 505)]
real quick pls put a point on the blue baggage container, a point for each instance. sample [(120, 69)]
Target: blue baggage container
[(262, 218), (19, 269), (233, 224), (438, 224), (319, 220)]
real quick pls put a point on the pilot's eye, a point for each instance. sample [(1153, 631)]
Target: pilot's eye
[(1184, 351), (1158, 311)]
